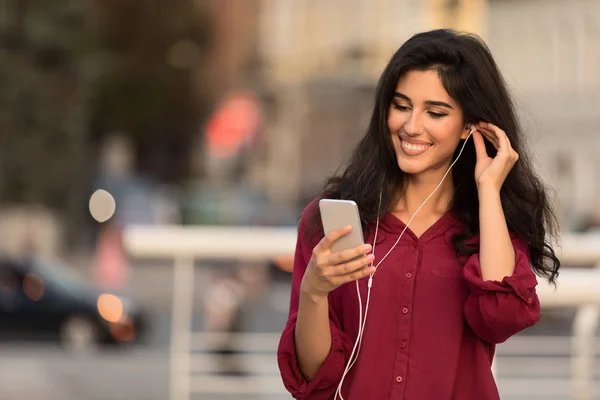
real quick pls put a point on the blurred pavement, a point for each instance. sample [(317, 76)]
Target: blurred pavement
[(531, 366)]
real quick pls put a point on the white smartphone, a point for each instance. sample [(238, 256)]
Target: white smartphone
[(338, 213)]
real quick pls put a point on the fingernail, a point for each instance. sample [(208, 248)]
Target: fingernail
[(348, 228), (366, 247)]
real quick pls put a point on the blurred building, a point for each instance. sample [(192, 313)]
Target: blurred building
[(234, 41), (549, 52), (322, 60)]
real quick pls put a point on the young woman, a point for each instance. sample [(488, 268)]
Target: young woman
[(462, 277)]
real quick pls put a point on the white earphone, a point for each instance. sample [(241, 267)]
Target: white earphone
[(362, 321)]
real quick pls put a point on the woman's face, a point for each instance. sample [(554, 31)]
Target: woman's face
[(426, 125)]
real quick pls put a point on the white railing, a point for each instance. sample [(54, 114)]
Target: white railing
[(577, 287)]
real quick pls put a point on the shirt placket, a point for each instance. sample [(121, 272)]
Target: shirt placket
[(404, 307)]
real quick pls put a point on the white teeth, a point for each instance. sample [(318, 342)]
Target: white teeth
[(414, 147)]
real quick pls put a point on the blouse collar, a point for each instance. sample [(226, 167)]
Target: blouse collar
[(393, 225)]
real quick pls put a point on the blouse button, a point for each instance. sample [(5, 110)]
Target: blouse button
[(398, 379), (529, 300), (408, 275), (403, 344), (405, 310), (415, 244)]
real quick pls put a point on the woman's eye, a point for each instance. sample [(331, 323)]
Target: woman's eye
[(400, 108), (437, 115)]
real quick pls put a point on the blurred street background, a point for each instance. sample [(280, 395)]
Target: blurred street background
[(199, 113)]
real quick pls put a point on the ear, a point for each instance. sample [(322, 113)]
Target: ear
[(467, 131)]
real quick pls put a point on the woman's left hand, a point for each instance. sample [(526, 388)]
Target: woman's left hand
[(491, 172)]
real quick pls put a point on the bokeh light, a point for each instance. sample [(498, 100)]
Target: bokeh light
[(102, 205)]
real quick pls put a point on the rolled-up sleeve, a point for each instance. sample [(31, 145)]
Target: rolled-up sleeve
[(496, 310), (324, 384)]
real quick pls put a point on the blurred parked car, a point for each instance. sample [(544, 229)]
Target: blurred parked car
[(46, 300)]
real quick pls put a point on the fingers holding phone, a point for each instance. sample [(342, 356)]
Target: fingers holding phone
[(341, 256), (327, 270)]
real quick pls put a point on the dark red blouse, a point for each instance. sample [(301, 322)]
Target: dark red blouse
[(432, 325)]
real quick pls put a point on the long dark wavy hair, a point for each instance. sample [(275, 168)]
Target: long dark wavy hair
[(472, 78)]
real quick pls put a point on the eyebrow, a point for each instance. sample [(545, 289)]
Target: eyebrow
[(428, 102)]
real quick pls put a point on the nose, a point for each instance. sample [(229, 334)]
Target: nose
[(413, 126)]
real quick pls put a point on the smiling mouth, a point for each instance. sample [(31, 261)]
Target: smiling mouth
[(413, 149)]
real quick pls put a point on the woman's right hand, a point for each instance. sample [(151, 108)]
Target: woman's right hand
[(327, 271)]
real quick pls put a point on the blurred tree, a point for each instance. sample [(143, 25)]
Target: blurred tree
[(74, 71), (42, 103), (150, 49)]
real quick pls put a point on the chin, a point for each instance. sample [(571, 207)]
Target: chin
[(411, 167), (417, 167)]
